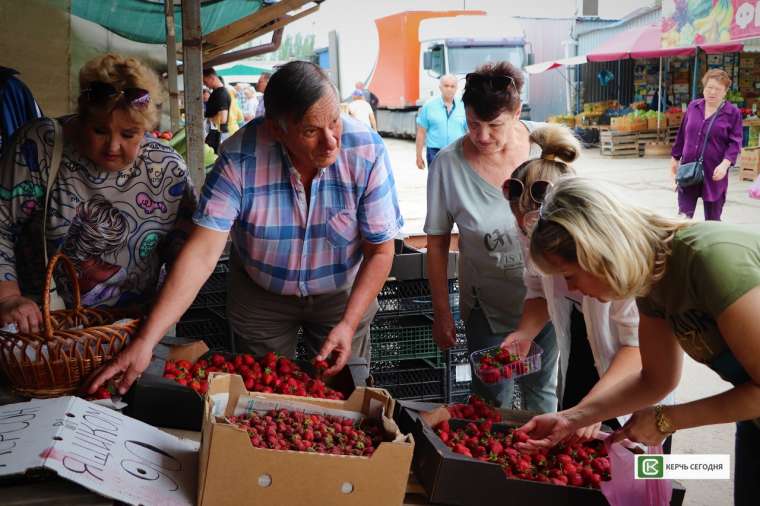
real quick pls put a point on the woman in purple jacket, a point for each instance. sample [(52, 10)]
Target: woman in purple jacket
[(723, 145)]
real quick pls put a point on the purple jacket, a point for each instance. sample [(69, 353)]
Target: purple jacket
[(725, 142)]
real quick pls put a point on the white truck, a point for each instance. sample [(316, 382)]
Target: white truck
[(415, 48)]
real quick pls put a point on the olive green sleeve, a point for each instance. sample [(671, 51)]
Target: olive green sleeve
[(724, 272)]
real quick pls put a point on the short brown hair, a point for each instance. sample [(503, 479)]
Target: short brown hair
[(719, 75), (121, 72), (488, 101)]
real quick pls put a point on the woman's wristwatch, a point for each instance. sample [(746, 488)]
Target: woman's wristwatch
[(664, 423)]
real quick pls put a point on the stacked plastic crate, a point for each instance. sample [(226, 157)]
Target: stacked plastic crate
[(206, 319), (404, 358)]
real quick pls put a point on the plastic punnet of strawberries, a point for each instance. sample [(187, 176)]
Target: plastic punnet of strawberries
[(270, 374), (283, 429), (475, 409), (500, 364), (579, 465)]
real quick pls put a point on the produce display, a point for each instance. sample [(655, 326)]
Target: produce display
[(475, 409), (578, 465), (270, 374), (165, 135), (307, 432)]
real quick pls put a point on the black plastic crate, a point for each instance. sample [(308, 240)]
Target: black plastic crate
[(216, 283), (206, 325), (206, 300), (459, 374), (404, 338), (399, 297), (417, 380)]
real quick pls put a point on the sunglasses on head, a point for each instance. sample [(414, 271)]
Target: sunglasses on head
[(100, 93), (513, 189), (495, 82)]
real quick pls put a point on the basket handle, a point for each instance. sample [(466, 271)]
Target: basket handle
[(46, 290)]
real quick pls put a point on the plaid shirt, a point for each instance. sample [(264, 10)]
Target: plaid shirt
[(288, 247)]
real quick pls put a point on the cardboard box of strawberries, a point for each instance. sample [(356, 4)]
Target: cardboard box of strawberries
[(465, 454), (282, 449), (170, 392)]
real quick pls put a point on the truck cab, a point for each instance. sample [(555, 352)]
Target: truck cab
[(459, 45)]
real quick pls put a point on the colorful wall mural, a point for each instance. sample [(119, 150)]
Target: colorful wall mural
[(689, 22)]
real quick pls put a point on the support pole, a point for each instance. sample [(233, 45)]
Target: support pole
[(696, 74), (171, 64), (193, 79), (659, 96)]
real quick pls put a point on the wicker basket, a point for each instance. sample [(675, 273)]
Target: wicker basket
[(73, 344)]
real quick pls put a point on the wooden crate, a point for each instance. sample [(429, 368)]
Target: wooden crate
[(650, 136), (657, 148), (748, 174), (750, 159), (672, 133), (619, 144)]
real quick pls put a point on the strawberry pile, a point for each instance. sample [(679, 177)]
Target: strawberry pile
[(282, 429), (475, 409), (270, 374), (500, 363), (578, 465), (103, 392)]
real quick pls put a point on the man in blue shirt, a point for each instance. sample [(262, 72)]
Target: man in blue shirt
[(17, 105), (440, 122)]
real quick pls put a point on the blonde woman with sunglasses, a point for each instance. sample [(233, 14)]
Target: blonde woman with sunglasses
[(598, 340), (698, 290), (118, 202), (464, 188)]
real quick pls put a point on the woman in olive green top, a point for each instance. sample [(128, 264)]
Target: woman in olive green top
[(698, 289)]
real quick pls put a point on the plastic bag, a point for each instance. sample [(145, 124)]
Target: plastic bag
[(754, 190), (624, 489)]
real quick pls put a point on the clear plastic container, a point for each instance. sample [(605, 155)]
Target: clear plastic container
[(523, 366)]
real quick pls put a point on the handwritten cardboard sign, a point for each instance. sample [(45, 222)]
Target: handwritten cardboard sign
[(100, 449)]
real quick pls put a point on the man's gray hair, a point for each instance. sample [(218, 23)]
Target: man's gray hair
[(293, 89)]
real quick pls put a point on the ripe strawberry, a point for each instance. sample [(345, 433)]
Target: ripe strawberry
[(489, 374), (600, 464), (575, 479), (462, 450), (218, 360)]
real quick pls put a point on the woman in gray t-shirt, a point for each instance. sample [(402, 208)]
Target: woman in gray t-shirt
[(464, 187)]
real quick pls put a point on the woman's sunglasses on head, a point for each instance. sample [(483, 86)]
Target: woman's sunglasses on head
[(100, 93), (513, 189), (495, 82)]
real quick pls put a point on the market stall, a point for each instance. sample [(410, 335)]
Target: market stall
[(663, 82)]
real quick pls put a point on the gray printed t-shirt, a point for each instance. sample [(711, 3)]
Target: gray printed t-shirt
[(490, 257)]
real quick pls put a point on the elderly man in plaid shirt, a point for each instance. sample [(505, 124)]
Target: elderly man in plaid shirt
[(309, 199)]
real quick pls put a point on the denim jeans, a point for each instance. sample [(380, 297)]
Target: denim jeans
[(430, 154), (747, 466), (539, 390)]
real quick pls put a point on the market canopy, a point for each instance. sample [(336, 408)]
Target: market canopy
[(644, 42), (537, 68), (226, 24), (242, 70), (144, 20)]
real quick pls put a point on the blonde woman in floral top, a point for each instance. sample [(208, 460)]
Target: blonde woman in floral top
[(117, 206)]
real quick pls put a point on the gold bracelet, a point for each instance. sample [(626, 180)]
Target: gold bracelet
[(664, 423)]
